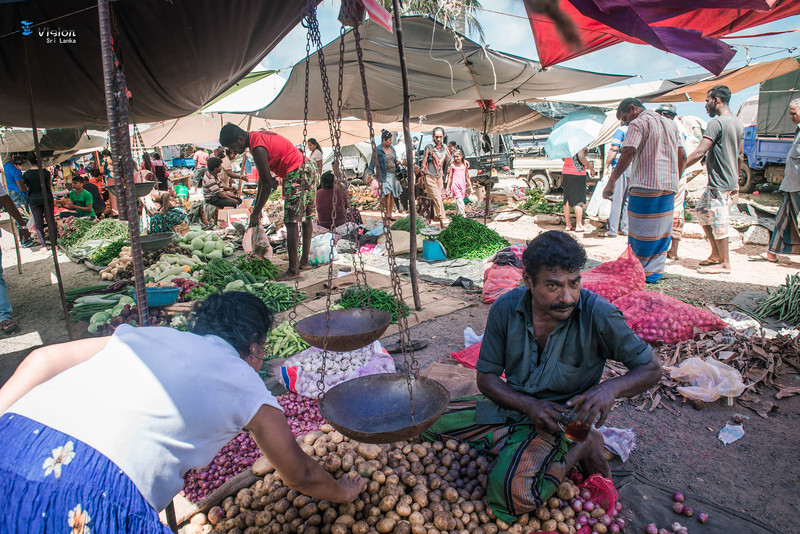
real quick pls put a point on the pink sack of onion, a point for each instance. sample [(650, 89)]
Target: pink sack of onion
[(614, 279), (301, 372), (658, 317)]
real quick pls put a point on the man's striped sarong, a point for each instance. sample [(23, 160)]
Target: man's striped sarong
[(786, 237), (528, 461), (650, 227)]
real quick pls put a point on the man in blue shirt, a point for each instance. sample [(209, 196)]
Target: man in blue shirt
[(20, 199), (618, 218), (551, 340)]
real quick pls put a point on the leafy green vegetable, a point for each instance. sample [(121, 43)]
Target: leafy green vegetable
[(404, 224), (467, 238), (105, 255), (356, 297), (259, 267)]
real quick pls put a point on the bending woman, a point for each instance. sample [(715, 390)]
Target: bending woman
[(97, 433)]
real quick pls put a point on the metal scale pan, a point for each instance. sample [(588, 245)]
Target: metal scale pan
[(348, 329), (376, 408)]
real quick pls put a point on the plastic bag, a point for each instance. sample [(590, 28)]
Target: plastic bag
[(620, 441), (256, 242), (301, 372), (658, 317), (598, 206), (470, 337), (733, 429), (321, 249), (614, 279), (499, 280), (709, 379)]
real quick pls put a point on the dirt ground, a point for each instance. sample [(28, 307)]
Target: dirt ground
[(757, 474)]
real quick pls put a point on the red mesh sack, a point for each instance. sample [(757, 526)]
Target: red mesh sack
[(499, 280), (613, 279), (603, 491), (469, 356), (658, 317), (583, 530)]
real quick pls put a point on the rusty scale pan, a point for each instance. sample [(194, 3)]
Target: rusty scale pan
[(348, 329), (376, 408)]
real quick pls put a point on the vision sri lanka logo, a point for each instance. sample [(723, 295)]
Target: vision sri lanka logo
[(51, 35)]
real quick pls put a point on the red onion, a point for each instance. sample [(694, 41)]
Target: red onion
[(585, 494), (677, 497), (651, 528), (592, 521), (676, 526), (605, 519), (576, 477), (576, 505), (613, 528), (688, 512), (589, 506), (618, 506), (238, 454), (302, 413), (702, 517), (582, 520), (677, 507), (621, 522)]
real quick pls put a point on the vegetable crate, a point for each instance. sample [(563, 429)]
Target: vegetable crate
[(160, 296)]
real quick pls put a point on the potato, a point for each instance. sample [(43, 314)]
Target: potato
[(332, 463), (388, 503), (568, 512), (441, 520), (418, 529), (451, 444), (215, 515), (329, 516), (564, 491), (600, 528), (348, 459), (193, 529), (542, 513), (232, 511), (562, 527), (550, 525), (368, 450), (409, 479), (502, 525), (308, 510), (385, 525), (416, 518), (402, 527), (241, 521), (360, 527), (598, 512), (263, 518), (262, 467), (393, 480), (557, 515), (490, 528), (366, 469), (379, 477)]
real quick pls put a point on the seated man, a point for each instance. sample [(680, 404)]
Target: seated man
[(551, 339), (330, 198), (214, 192), (98, 204), (80, 201)]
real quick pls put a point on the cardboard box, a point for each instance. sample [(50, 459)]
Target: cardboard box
[(247, 203), (229, 215)]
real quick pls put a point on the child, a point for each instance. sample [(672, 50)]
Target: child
[(458, 180)]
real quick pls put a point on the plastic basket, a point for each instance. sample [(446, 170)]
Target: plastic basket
[(159, 296)]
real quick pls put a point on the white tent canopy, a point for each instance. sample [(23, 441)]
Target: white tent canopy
[(21, 140), (250, 98), (438, 77)]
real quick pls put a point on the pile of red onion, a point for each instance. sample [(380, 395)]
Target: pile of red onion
[(679, 508), (239, 454), (302, 413), (584, 505)]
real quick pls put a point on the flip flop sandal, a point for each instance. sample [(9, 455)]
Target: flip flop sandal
[(761, 257), (8, 326), (706, 263), (396, 348)]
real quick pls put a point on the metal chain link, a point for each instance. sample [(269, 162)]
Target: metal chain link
[(409, 361)]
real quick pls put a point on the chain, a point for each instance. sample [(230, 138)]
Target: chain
[(409, 361)]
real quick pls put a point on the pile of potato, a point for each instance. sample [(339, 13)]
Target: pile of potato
[(414, 488)]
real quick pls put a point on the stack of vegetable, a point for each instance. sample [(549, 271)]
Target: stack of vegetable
[(84, 308), (106, 254), (200, 291), (205, 245), (404, 224), (283, 341), (117, 265), (237, 455), (413, 489), (356, 297), (276, 296), (73, 229), (783, 302), (260, 268), (301, 413), (125, 312), (219, 273), (172, 266), (466, 238), (107, 230)]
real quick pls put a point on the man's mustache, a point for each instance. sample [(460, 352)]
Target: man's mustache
[(565, 306)]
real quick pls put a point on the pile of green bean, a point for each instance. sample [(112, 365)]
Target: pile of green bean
[(356, 297), (283, 341), (278, 297), (467, 238), (258, 267), (783, 302)]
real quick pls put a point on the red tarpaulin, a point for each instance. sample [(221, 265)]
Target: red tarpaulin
[(689, 29)]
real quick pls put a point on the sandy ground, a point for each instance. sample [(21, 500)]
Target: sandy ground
[(757, 475)]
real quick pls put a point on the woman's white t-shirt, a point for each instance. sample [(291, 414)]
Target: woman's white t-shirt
[(155, 401)]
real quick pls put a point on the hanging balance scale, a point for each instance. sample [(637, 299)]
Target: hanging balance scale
[(378, 408)]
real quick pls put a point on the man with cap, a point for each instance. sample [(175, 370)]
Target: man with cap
[(659, 160), (723, 146)]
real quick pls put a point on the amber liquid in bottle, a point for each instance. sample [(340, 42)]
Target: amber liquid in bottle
[(577, 431)]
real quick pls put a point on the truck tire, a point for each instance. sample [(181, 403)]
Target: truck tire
[(747, 183), (539, 181)]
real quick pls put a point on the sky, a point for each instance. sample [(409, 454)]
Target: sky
[(508, 30)]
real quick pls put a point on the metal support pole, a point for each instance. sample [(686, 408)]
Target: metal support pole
[(48, 211), (117, 111), (412, 177)]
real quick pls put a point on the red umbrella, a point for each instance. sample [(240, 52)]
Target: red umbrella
[(690, 29)]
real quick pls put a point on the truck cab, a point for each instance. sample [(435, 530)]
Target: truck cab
[(765, 159)]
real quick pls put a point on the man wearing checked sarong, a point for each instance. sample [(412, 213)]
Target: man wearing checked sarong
[(551, 339)]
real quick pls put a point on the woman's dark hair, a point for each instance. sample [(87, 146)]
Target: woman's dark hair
[(213, 163), (31, 157), (438, 128), (386, 134), (314, 141), (146, 163), (551, 250), (238, 317), (229, 134), (106, 152), (326, 180)]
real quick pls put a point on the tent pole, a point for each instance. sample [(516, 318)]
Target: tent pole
[(412, 177), (48, 212), (117, 114)]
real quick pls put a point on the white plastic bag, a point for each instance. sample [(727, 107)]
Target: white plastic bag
[(598, 206), (321, 249), (709, 379)]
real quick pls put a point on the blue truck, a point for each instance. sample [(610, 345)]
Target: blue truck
[(769, 133)]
